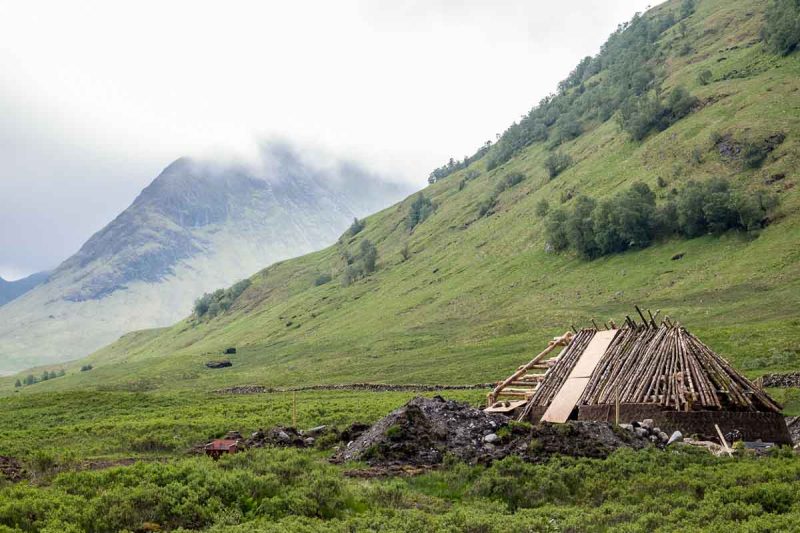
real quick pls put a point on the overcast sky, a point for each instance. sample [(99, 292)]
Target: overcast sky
[(97, 97)]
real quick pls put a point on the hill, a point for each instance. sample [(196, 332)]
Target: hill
[(467, 281), (10, 290), (200, 225)]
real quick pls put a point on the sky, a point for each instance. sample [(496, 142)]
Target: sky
[(96, 98)]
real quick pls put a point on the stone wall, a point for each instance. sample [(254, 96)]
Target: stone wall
[(769, 427)]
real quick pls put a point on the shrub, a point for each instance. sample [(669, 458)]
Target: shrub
[(322, 279), (781, 31), (704, 77), (361, 264), (542, 207), (17, 384), (405, 253), (486, 206), (355, 228), (556, 163), (420, 209), (220, 300)]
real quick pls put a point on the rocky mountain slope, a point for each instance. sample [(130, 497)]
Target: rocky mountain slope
[(199, 226), (468, 283), (10, 290)]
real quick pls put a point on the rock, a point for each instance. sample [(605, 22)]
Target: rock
[(283, 436), (219, 364), (628, 427), (309, 441), (230, 350), (676, 436), (641, 432), (648, 423), (678, 256), (490, 438), (656, 430), (663, 436)]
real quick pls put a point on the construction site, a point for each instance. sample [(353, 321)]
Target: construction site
[(641, 370)]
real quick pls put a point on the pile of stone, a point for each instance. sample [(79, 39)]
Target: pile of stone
[(787, 380), (647, 429), (285, 437), (425, 430)]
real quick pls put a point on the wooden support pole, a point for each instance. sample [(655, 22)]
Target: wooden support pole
[(723, 441)]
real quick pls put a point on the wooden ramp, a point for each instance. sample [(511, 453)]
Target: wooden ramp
[(564, 401)]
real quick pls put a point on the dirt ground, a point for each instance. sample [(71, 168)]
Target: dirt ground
[(424, 430), (11, 469)]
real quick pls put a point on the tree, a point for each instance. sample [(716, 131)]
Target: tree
[(420, 209), (369, 256), (356, 227), (556, 231), (556, 163), (687, 8), (580, 227), (17, 384), (781, 31), (30, 379)]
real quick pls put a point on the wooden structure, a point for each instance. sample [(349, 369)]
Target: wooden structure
[(218, 447), (517, 389), (640, 370)]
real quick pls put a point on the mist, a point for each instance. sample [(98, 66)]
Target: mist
[(98, 97)]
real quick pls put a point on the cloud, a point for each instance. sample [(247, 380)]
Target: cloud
[(97, 97)]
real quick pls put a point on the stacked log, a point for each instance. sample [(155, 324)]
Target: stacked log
[(657, 364)]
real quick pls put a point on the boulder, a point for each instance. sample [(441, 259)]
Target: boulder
[(219, 364)]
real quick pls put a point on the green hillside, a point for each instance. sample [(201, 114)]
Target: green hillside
[(477, 294)]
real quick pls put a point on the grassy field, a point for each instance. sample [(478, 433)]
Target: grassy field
[(71, 442), (475, 297)]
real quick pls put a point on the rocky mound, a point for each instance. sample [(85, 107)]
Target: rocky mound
[(424, 430)]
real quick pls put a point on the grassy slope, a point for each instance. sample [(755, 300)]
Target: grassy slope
[(478, 296)]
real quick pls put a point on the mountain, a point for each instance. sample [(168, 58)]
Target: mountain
[(469, 279), (198, 226), (9, 290)]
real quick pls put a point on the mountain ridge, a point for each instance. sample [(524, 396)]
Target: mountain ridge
[(467, 291), (248, 215)]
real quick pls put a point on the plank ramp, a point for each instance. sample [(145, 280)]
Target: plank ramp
[(564, 401)]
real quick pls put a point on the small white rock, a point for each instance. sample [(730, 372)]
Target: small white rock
[(490, 438)]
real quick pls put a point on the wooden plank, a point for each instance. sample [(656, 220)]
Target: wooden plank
[(565, 399), (564, 402), (592, 354)]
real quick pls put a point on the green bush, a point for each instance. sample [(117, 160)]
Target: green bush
[(420, 209), (704, 77), (219, 301), (556, 163), (322, 279), (781, 31)]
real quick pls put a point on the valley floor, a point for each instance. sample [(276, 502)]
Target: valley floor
[(111, 461)]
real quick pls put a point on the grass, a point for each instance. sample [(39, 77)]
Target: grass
[(475, 297)]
